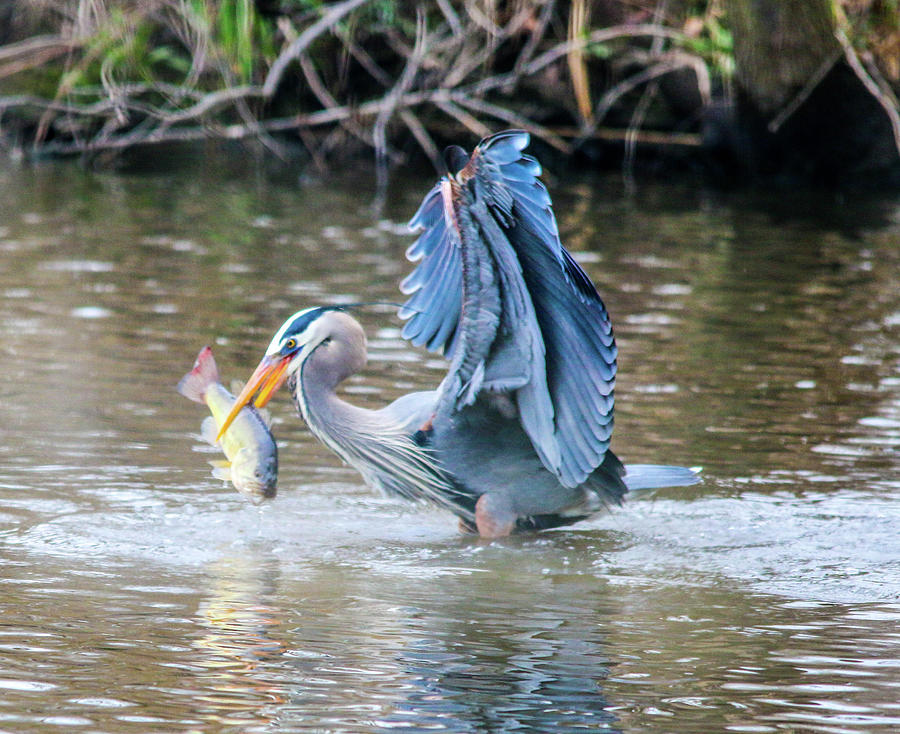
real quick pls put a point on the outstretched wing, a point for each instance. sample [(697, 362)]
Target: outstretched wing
[(436, 283), (511, 308)]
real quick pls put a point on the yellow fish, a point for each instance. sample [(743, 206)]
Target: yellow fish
[(252, 456)]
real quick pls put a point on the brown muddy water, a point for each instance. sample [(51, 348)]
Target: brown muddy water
[(759, 337)]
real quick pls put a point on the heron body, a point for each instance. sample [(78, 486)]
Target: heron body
[(517, 434)]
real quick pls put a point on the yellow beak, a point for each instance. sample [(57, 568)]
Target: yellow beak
[(265, 380)]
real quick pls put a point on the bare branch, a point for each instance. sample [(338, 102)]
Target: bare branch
[(666, 65), (452, 18), (791, 107), (422, 138), (601, 36), (643, 137), (32, 52), (365, 60), (302, 42), (326, 99), (631, 134), (482, 20), (883, 96), (440, 98), (464, 118), (35, 44), (379, 129), (27, 100), (508, 116), (210, 102), (537, 35), (478, 52), (136, 89)]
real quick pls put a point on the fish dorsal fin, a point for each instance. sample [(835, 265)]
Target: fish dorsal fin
[(235, 386), (266, 416)]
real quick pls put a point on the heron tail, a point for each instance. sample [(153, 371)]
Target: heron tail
[(654, 476)]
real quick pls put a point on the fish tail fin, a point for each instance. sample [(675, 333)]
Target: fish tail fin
[(194, 384)]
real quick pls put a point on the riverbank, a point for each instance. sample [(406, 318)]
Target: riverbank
[(603, 83)]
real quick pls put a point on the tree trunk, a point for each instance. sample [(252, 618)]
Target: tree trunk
[(803, 111), (779, 45)]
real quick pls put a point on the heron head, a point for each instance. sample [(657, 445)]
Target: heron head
[(289, 348)]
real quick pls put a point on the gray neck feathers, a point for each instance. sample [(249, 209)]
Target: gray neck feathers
[(377, 446)]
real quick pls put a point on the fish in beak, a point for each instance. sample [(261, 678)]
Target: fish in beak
[(265, 380)]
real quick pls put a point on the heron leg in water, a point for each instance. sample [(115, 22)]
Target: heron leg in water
[(494, 516)]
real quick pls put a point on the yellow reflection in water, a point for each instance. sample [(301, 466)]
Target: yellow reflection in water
[(240, 633)]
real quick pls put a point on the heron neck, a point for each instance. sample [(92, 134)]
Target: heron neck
[(376, 445), (338, 424)]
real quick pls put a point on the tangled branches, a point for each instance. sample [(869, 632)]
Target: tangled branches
[(172, 70)]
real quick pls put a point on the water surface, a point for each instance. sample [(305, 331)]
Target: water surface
[(759, 337)]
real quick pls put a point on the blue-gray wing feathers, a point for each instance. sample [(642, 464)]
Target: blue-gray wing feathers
[(512, 310)]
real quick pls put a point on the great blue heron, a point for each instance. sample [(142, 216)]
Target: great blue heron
[(517, 435)]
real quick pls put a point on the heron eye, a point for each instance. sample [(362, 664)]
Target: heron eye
[(290, 343)]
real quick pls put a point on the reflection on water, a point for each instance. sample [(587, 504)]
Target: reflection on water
[(759, 338), (242, 629)]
